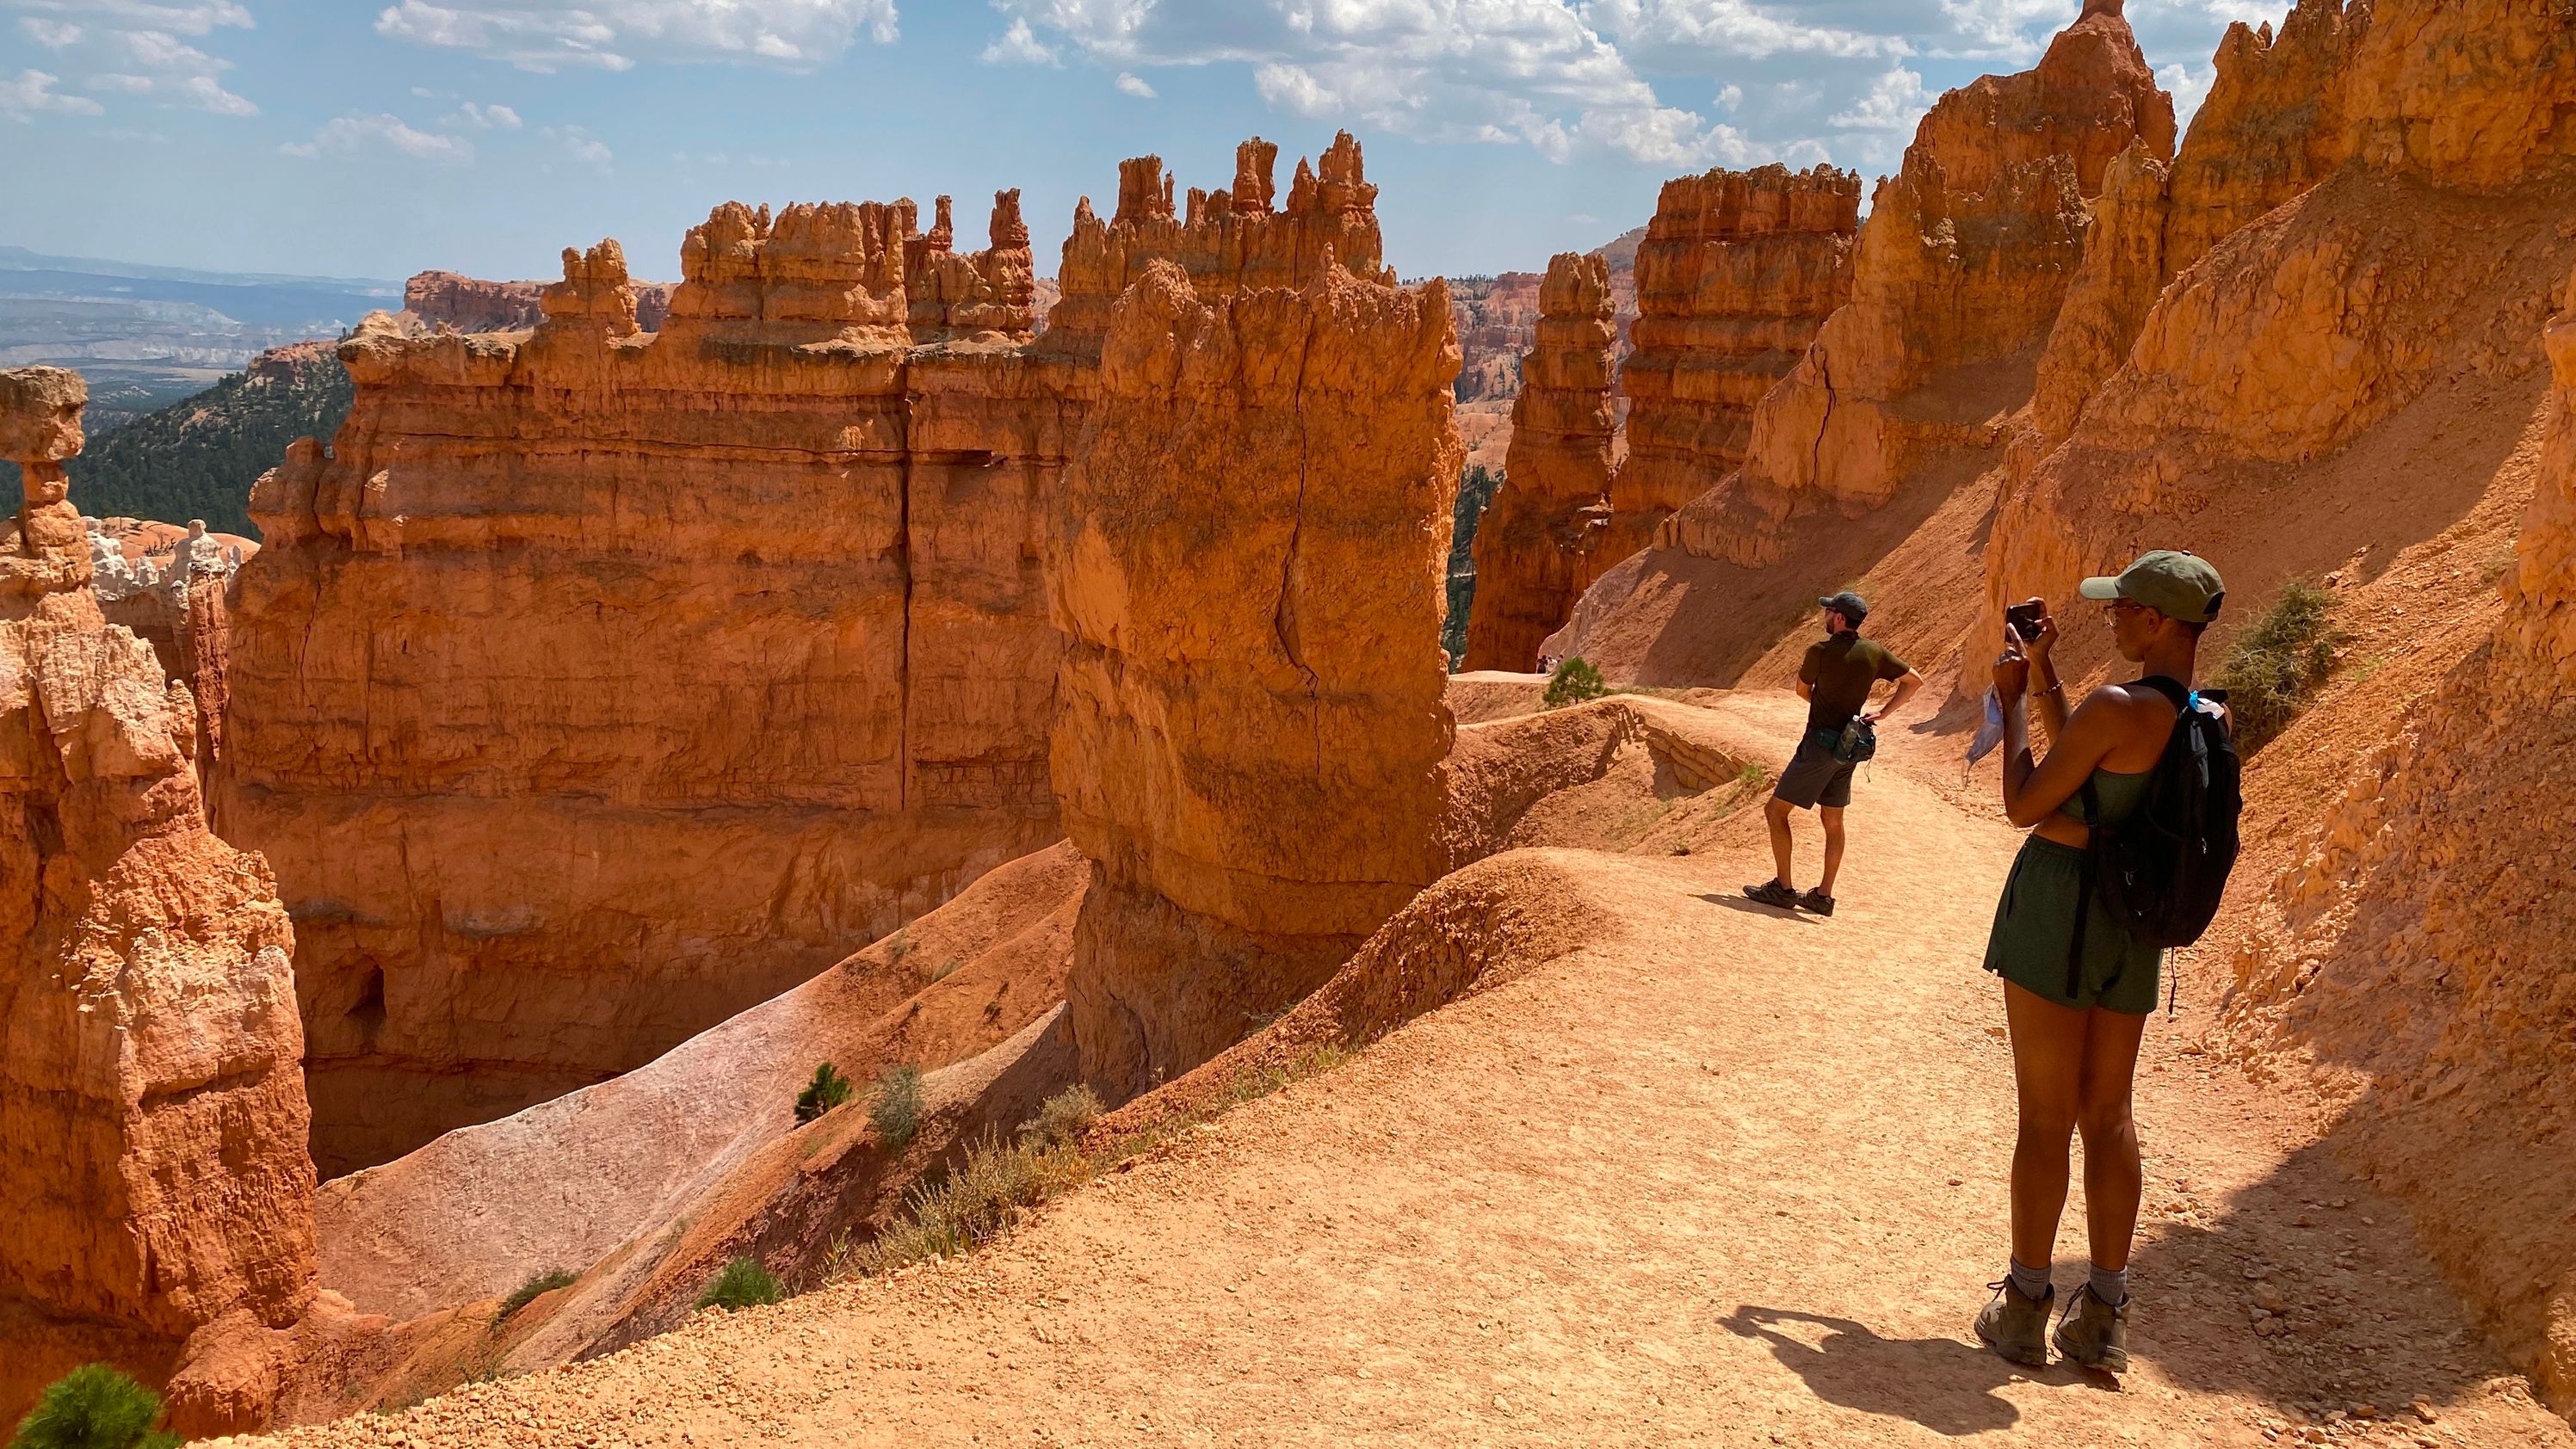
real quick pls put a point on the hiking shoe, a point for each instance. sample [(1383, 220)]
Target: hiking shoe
[(1816, 902), (1772, 893), (2017, 1327), (2095, 1334)]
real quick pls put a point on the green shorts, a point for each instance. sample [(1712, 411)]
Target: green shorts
[(2035, 921)]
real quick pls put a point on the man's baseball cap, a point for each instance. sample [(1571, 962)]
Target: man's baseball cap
[(1848, 604), (2175, 584)]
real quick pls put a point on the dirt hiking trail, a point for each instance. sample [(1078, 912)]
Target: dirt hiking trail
[(1722, 1176)]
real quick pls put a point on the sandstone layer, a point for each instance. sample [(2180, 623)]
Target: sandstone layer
[(739, 624), (152, 1120), (1737, 273), (1541, 540), (1248, 575), (602, 682), (470, 304), (1969, 251)]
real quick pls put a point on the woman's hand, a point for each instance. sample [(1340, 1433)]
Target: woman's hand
[(2041, 641), (2012, 672)]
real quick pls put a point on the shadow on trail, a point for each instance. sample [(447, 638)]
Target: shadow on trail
[(1756, 908), (1940, 1383)]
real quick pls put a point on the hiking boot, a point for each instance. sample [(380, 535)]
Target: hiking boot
[(1816, 902), (2015, 1326), (2095, 1334), (1772, 893)]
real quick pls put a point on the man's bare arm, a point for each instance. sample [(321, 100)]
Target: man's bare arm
[(1906, 684)]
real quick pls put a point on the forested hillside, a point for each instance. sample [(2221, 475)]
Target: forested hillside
[(198, 457)]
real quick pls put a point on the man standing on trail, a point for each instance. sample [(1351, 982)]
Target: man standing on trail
[(2078, 984), (1835, 679)]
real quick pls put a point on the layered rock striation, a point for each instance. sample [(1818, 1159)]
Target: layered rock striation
[(737, 627), (152, 1120), (1969, 252), (1737, 273), (1248, 574), (1545, 535)]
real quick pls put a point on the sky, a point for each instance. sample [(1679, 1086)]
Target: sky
[(361, 139)]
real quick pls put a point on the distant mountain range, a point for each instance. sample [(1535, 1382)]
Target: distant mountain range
[(147, 336)]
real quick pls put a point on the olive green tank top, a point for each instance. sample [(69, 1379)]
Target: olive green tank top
[(2120, 796)]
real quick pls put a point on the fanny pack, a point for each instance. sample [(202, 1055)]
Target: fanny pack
[(1855, 742)]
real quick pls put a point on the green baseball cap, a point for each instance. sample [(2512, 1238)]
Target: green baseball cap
[(2175, 584)]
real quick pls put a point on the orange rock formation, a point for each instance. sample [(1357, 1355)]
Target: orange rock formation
[(1738, 271), (603, 682), (1969, 251), (152, 1120), (1542, 539), (470, 304), (1249, 577)]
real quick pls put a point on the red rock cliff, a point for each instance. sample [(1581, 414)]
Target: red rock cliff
[(1542, 539), (1251, 731), (603, 682), (1737, 272), (470, 304), (152, 1121)]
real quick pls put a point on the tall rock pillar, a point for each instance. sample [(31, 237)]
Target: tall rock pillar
[(152, 1115), (1249, 576), (1539, 544)]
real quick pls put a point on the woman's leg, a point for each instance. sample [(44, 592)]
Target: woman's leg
[(2048, 1046), (2114, 1178)]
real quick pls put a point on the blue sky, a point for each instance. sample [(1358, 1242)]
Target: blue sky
[(373, 139)]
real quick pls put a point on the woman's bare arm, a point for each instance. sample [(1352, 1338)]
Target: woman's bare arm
[(2034, 789)]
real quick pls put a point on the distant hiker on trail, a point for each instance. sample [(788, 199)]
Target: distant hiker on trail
[(1835, 680), (2133, 816)]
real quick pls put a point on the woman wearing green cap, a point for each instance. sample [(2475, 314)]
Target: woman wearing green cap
[(2077, 1019)]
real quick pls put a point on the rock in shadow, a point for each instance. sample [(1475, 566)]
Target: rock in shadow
[(1943, 1384)]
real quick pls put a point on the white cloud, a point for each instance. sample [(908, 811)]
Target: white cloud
[(159, 50), (1019, 45), (1730, 98), (354, 133), (1882, 119), (2189, 87), (580, 144), (51, 34), (550, 35), (32, 94), (205, 93), (132, 85), (485, 118), (1671, 33), (186, 19), (2013, 30), (1134, 85)]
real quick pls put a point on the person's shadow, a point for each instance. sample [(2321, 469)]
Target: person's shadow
[(1940, 1383)]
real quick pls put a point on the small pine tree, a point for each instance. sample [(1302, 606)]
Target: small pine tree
[(94, 1407), (742, 1284), (1574, 682), (826, 1091)]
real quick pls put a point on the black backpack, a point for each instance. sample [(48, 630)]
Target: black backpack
[(2161, 872)]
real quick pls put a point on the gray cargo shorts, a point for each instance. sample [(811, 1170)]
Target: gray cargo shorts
[(1814, 777)]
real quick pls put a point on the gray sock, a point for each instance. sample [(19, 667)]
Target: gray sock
[(2029, 1282), (2110, 1287)]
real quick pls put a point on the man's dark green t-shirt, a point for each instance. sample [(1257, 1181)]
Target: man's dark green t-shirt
[(1842, 669)]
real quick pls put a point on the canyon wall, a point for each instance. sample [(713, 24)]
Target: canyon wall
[(470, 304), (1738, 272), (1248, 573), (152, 1120), (737, 628), (600, 683), (1541, 540), (1969, 251)]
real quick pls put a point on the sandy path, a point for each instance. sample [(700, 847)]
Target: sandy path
[(1731, 1178)]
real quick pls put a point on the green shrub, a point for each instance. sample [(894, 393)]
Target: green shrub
[(742, 1284), (1063, 1118), (828, 1090), (1574, 682), (2279, 662), (897, 1113), (537, 1286), (971, 1205), (93, 1407)]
